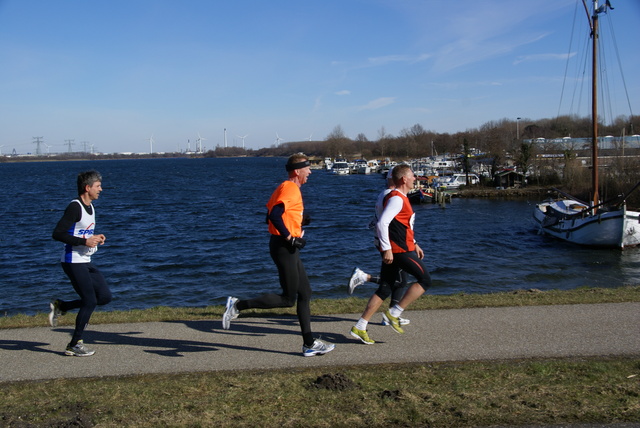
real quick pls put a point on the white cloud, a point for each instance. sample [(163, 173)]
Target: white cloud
[(542, 57), (343, 92), (378, 103)]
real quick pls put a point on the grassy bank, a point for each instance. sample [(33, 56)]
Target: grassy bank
[(352, 305), (437, 395), (465, 394)]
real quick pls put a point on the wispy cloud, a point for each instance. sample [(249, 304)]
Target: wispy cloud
[(378, 103), (343, 92), (317, 104), (388, 59), (380, 61), (542, 57), (468, 38)]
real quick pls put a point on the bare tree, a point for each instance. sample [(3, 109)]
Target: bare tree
[(337, 142)]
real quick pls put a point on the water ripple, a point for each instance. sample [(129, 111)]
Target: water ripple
[(189, 232)]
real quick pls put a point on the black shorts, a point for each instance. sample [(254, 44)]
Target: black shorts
[(409, 263)]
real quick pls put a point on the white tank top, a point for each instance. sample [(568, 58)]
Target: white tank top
[(82, 229)]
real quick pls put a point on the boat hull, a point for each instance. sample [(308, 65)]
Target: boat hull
[(606, 229), (631, 234), (419, 196)]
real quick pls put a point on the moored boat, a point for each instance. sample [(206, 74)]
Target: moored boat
[(419, 196), (454, 181), (340, 168), (605, 225), (574, 221)]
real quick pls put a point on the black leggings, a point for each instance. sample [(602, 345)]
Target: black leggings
[(295, 286), (93, 290), (406, 262), (398, 288)]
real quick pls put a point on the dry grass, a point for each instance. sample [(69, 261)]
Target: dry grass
[(351, 305), (435, 395), (490, 393)]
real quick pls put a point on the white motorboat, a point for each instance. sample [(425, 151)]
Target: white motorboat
[(340, 168), (455, 181), (360, 166), (328, 164)]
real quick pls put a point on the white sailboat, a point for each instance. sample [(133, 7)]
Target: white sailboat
[(595, 224)]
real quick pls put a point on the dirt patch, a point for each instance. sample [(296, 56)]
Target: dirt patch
[(68, 416), (528, 291), (77, 421), (394, 395), (334, 382)]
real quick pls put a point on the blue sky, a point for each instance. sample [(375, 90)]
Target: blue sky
[(114, 73)]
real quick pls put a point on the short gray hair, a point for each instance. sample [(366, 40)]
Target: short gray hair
[(87, 178)]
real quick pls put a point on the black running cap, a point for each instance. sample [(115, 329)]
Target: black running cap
[(298, 165)]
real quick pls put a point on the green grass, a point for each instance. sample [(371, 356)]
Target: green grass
[(351, 305), (465, 394), (438, 395)]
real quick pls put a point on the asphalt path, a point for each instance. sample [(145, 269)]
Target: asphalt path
[(274, 342)]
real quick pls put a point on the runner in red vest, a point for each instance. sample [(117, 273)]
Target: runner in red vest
[(399, 251)]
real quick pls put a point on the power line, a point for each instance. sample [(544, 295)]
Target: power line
[(37, 142)]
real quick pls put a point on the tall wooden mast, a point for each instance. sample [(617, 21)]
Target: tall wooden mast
[(594, 105)]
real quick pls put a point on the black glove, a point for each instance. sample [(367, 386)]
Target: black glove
[(298, 243)]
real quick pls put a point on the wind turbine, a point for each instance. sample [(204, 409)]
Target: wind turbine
[(278, 139), (150, 140), (199, 143), (242, 138), (310, 135)]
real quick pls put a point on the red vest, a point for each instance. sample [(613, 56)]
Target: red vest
[(401, 227)]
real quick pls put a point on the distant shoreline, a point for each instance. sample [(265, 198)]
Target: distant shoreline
[(510, 193), (11, 159), (476, 192)]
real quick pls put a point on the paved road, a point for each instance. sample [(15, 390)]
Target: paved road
[(275, 342)]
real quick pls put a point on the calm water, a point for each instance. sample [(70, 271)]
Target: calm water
[(189, 232)]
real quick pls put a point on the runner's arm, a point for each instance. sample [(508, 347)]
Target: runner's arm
[(71, 215), (275, 217), (393, 207)]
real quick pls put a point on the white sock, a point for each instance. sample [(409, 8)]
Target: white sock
[(396, 311), (362, 324)]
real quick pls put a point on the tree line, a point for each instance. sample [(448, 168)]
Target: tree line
[(497, 138), (498, 143)]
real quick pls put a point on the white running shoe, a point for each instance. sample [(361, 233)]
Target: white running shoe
[(403, 321), (79, 350), (55, 312), (358, 277), (318, 348), (230, 313)]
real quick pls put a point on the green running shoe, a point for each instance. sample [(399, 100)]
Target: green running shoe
[(362, 335), (402, 321), (393, 322)]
